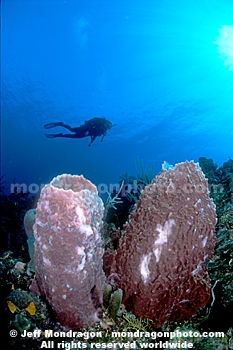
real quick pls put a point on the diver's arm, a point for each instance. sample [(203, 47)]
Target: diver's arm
[(92, 139), (103, 136)]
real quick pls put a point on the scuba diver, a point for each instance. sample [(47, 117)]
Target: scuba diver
[(93, 128)]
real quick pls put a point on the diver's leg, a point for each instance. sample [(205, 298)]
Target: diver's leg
[(67, 127), (70, 136), (52, 136), (52, 125)]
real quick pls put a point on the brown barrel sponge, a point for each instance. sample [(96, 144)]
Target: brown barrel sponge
[(160, 261)]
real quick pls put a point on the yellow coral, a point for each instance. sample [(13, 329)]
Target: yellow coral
[(11, 306), (31, 309)]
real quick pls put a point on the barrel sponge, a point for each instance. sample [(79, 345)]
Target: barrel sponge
[(160, 260), (68, 250)]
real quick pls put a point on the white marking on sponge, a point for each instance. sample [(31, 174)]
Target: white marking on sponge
[(164, 232), (204, 241), (81, 252), (144, 268)]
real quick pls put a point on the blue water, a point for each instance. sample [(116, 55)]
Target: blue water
[(150, 66)]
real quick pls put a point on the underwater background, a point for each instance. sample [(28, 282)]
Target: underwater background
[(162, 71)]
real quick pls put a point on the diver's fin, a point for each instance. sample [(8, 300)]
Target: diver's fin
[(52, 125), (52, 136), (49, 126)]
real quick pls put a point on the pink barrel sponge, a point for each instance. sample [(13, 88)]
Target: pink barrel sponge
[(68, 250), (160, 260)]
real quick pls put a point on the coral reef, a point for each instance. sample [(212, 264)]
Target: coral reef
[(112, 300), (68, 250), (107, 295), (22, 310), (28, 221), (21, 323), (220, 265), (118, 214), (115, 303), (12, 210), (129, 193), (161, 257), (209, 168), (146, 174)]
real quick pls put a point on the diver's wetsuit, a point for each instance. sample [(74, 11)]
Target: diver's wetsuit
[(93, 128)]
